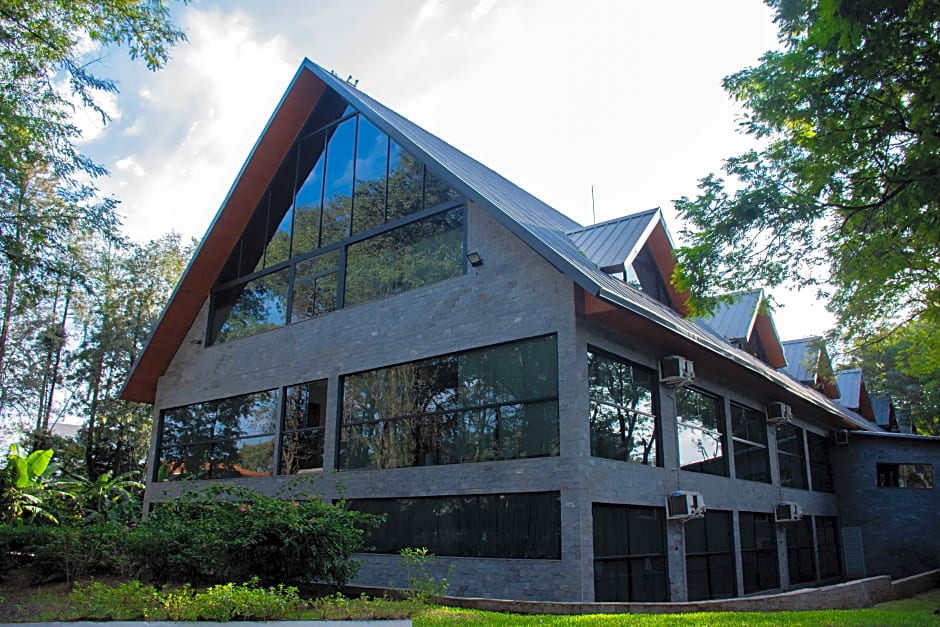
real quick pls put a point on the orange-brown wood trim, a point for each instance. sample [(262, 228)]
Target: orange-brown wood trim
[(771, 343), (219, 242), (665, 260)]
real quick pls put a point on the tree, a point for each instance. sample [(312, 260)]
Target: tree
[(845, 191), (906, 365)]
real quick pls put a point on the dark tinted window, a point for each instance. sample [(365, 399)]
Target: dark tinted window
[(303, 428), (623, 421), (525, 525), (405, 183), (751, 456), (758, 552), (315, 285), (800, 560), (371, 168), (905, 476), (709, 557), (309, 194), (792, 457), (250, 308), (827, 545), (701, 431), (499, 402), (629, 553), (820, 462)]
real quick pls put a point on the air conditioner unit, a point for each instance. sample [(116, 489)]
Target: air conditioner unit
[(676, 371), (779, 414), (684, 506), (787, 512), (841, 437)]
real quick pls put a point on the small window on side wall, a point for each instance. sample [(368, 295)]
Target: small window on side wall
[(917, 476), (303, 428)]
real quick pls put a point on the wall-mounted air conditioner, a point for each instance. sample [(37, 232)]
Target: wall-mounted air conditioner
[(676, 371), (779, 413), (787, 512), (684, 506), (841, 437)]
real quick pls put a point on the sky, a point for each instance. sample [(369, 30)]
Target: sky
[(622, 95)]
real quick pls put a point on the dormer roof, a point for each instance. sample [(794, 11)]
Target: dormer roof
[(746, 321), (808, 362), (616, 243)]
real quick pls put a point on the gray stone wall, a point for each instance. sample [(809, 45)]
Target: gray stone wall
[(900, 527)]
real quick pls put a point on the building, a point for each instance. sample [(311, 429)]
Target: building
[(484, 371)]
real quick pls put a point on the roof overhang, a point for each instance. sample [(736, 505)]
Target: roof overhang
[(227, 227)]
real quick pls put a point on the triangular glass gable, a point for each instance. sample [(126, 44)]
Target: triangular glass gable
[(342, 179)]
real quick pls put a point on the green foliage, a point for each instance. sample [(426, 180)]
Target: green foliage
[(63, 553), (231, 533), (114, 500), (845, 191), (422, 586), (906, 365), (24, 495), (221, 603)]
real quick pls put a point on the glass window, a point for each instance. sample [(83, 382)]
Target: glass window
[(701, 430), (436, 191), (827, 545), (758, 552), (624, 424), (302, 430), (792, 457), (520, 526), (309, 199), (905, 476), (499, 402), (315, 283), (405, 183), (629, 553), (281, 212), (820, 462), (371, 169), (230, 437), (416, 254), (749, 433), (250, 308), (800, 560), (709, 557), (337, 191)]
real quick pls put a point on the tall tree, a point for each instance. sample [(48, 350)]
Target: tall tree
[(845, 191)]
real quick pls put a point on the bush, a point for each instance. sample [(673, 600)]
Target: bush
[(232, 533), (59, 552)]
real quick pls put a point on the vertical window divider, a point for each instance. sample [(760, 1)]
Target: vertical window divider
[(279, 425), (293, 197), (388, 169), (267, 227), (352, 194), (341, 278), (291, 274), (326, 156)]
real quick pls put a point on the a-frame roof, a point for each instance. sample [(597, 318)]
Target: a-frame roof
[(613, 244), (808, 362), (537, 224), (743, 317)]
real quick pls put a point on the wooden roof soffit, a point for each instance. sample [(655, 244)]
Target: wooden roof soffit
[(665, 259), (223, 235), (764, 327)]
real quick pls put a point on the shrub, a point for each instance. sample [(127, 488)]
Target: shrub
[(422, 586), (127, 601), (60, 552), (232, 533)]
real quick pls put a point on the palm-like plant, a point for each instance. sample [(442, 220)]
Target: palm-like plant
[(112, 498), (24, 492)]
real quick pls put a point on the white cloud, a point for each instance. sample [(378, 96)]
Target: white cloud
[(129, 164), (429, 9), (88, 121), (482, 9), (212, 102)]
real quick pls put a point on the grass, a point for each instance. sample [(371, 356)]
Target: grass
[(51, 603)]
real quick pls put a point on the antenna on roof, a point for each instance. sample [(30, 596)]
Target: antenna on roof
[(594, 215), (351, 81)]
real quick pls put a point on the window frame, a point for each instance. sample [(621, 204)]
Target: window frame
[(722, 420), (804, 457), (750, 443), (630, 557)]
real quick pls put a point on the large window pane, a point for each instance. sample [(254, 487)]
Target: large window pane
[(623, 423), (526, 525), (405, 183), (302, 430), (801, 563), (250, 308), (337, 193), (827, 545), (492, 403), (749, 432), (371, 167), (758, 552), (281, 212), (309, 194), (416, 254), (701, 432), (629, 553), (820, 463), (918, 476), (792, 457), (436, 191), (709, 549)]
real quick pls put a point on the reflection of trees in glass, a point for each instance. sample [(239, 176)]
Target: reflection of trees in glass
[(210, 440), (701, 432), (749, 433), (405, 183), (493, 403), (303, 427), (416, 254), (338, 188), (256, 306), (623, 425), (315, 284)]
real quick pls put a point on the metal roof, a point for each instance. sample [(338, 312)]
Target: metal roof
[(802, 355), (540, 226), (850, 385), (881, 406), (614, 244), (735, 320)]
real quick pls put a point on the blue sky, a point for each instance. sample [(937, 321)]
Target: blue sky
[(556, 96)]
